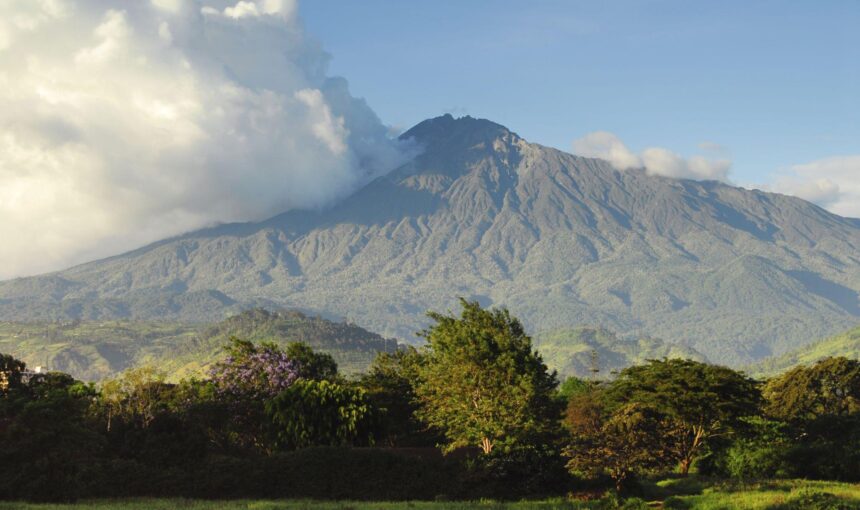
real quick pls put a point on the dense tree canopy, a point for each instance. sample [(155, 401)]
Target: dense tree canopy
[(321, 413), (317, 366), (482, 384), (621, 444), (135, 396), (699, 401), (830, 387)]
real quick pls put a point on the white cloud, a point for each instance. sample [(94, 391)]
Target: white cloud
[(656, 160), (168, 5), (714, 148), (605, 145), (833, 183), (125, 122), (664, 162)]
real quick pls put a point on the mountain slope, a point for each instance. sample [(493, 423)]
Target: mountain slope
[(847, 344), (93, 351), (560, 239), (578, 351)]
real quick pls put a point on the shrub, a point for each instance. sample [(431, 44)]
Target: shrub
[(526, 471), (321, 413), (761, 453)]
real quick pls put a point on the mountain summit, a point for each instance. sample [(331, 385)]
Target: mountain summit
[(560, 239)]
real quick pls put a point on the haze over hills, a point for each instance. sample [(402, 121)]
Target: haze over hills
[(562, 240)]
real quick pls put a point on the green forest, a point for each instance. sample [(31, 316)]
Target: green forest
[(473, 414)]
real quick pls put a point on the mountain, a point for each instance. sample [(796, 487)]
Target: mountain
[(579, 351), (561, 240), (93, 351), (846, 344)]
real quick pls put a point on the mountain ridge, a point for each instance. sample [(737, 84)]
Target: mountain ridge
[(560, 239)]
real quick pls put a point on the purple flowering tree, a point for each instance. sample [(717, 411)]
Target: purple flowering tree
[(245, 380), (254, 372)]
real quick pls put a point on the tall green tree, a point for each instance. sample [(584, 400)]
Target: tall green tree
[(621, 444), (135, 396), (482, 384), (701, 402), (829, 387), (821, 404)]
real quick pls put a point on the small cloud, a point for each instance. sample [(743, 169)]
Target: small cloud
[(457, 111), (831, 183), (714, 148), (655, 160), (659, 161), (605, 145)]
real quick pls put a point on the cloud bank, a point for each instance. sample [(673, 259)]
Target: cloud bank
[(655, 160), (126, 122), (833, 183)]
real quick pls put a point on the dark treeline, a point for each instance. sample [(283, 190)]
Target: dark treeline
[(474, 413)]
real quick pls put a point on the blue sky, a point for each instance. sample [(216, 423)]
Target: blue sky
[(775, 83)]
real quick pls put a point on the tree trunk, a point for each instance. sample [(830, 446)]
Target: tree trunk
[(619, 477), (685, 466), (486, 445), (687, 461)]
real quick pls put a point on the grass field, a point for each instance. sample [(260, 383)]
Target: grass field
[(688, 493), (297, 505), (775, 495)]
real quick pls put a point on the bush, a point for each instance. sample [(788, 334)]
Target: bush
[(675, 503), (527, 471), (830, 450), (763, 452), (321, 413)]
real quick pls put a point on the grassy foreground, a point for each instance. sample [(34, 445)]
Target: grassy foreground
[(688, 493), (773, 495), (169, 504)]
